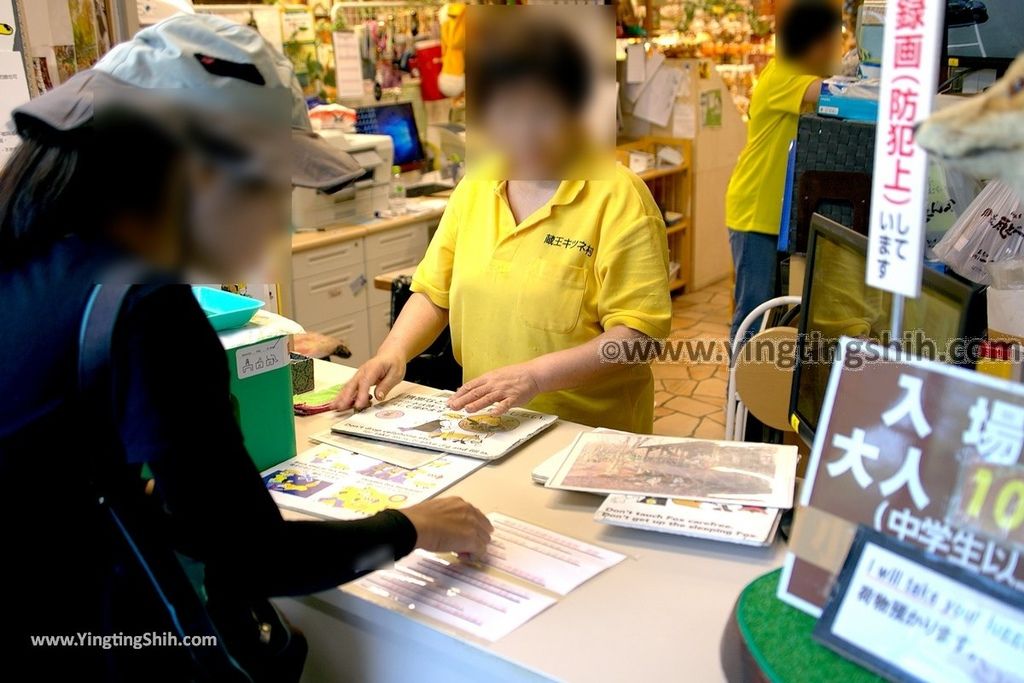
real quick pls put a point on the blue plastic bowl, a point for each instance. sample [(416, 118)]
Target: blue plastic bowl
[(225, 310)]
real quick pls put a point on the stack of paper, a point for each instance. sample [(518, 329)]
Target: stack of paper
[(425, 421), (723, 490), (524, 571), (331, 482), (313, 402)]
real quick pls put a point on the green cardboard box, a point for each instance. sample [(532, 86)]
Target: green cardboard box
[(261, 386)]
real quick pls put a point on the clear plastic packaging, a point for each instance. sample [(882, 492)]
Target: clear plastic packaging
[(991, 230)]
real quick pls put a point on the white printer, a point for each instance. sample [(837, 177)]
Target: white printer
[(359, 202)]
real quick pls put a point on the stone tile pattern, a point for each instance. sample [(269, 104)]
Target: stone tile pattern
[(689, 398)]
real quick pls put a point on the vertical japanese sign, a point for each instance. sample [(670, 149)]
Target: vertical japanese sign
[(925, 452), (910, 64)]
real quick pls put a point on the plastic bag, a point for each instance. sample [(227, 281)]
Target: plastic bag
[(950, 193), (989, 231), (1007, 274)]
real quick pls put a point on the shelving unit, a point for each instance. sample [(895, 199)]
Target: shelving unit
[(670, 186)]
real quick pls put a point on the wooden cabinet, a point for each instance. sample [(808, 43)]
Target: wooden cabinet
[(332, 278)]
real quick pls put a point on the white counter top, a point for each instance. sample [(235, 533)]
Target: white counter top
[(659, 615)]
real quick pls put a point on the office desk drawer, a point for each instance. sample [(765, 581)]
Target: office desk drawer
[(326, 259), (386, 264), (329, 295), (408, 240)]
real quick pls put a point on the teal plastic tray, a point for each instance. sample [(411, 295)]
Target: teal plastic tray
[(225, 310)]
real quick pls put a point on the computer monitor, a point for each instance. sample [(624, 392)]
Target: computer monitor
[(398, 121), (837, 302), (984, 33)]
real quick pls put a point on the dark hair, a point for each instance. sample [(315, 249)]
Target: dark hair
[(804, 25), (61, 183), (543, 53)]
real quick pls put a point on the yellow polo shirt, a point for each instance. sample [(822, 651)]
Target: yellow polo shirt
[(595, 256), (753, 202)]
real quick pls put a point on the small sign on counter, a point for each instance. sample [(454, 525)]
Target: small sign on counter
[(909, 616)]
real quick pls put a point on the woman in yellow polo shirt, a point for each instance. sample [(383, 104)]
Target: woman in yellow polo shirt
[(535, 275)]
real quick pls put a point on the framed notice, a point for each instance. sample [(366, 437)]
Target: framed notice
[(927, 453), (908, 616)]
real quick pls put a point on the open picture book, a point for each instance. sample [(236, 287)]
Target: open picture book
[(426, 421)]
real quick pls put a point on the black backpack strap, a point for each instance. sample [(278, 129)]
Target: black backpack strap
[(130, 520)]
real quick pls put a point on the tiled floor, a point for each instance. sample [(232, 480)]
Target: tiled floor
[(689, 396)]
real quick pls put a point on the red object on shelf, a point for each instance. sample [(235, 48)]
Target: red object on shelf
[(428, 61)]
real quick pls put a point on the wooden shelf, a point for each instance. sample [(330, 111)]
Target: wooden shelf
[(677, 227), (670, 186), (655, 173)]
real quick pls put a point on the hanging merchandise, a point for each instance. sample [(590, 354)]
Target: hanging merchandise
[(989, 231), (428, 62), (452, 81)]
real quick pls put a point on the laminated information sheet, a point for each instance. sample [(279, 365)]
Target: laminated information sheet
[(524, 570), (744, 524), (672, 467), (331, 482)]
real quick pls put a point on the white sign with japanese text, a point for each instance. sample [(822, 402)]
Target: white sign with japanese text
[(909, 617), (910, 64)]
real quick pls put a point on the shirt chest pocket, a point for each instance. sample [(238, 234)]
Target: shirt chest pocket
[(551, 296)]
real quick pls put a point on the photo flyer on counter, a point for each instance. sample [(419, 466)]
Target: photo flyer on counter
[(330, 482), (403, 456), (731, 523), (898, 449), (426, 421), (668, 467), (525, 570)]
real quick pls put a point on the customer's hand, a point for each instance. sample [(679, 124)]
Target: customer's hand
[(449, 525), (385, 370), (505, 388)]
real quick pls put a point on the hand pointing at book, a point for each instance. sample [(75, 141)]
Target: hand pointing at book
[(450, 525)]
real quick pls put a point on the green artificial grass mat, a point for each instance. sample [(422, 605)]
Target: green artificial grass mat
[(779, 639)]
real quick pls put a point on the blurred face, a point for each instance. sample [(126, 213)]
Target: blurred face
[(233, 221), (823, 58), (532, 129)]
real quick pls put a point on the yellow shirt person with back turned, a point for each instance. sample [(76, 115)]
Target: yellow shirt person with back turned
[(808, 45), (535, 275)]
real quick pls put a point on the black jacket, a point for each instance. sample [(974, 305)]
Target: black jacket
[(62, 572)]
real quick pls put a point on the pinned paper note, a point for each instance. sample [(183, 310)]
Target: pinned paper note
[(348, 66), (636, 68), (684, 121), (652, 63), (656, 101)]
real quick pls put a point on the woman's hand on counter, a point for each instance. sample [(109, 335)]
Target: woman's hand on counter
[(450, 525), (384, 371), (504, 388)]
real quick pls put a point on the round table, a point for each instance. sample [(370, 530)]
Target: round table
[(767, 640)]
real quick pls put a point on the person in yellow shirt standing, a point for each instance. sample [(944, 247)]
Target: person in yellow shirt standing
[(808, 43), (536, 273)]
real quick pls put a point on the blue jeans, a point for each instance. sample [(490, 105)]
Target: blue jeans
[(754, 258)]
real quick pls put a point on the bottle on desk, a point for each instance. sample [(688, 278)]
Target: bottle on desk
[(396, 200)]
